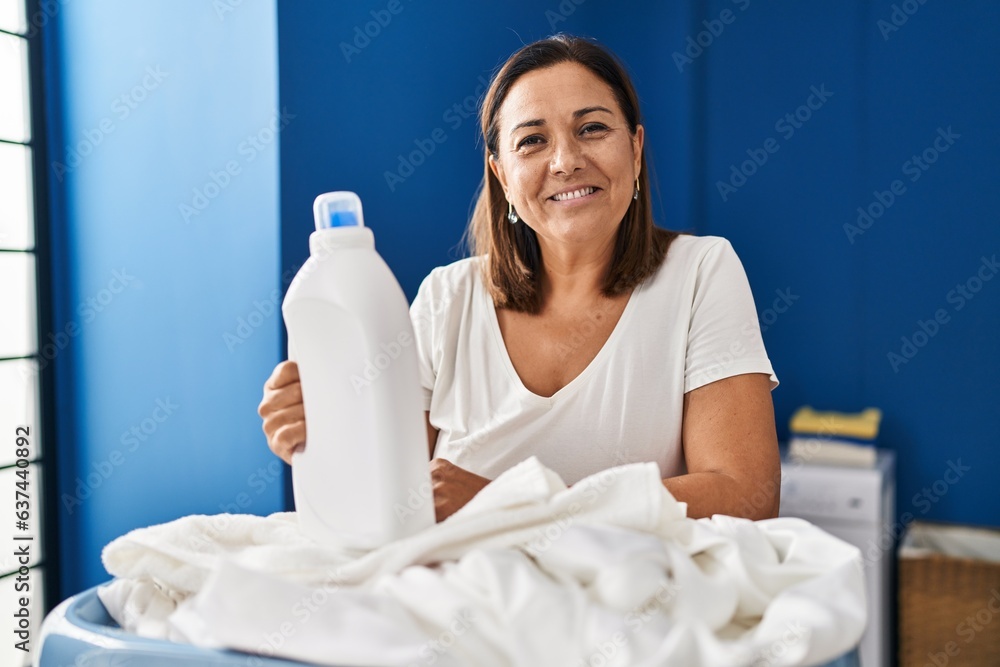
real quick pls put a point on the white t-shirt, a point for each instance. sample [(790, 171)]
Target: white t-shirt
[(693, 322)]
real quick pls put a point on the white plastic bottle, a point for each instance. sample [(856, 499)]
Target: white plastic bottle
[(363, 478)]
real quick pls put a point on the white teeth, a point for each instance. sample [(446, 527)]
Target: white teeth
[(576, 194)]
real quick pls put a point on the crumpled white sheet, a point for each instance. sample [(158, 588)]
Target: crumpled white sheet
[(607, 572)]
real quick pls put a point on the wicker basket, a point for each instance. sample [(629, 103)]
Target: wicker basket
[(949, 596)]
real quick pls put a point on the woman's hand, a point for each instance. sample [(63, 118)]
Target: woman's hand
[(283, 412), (285, 426), (453, 487)]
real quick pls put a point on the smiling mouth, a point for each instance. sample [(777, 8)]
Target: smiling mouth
[(575, 194)]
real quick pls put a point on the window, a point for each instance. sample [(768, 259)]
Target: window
[(23, 528)]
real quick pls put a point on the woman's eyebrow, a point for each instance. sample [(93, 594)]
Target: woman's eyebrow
[(579, 113), (528, 123), (584, 111)]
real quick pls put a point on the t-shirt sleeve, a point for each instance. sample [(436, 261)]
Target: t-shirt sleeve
[(424, 326), (724, 337)]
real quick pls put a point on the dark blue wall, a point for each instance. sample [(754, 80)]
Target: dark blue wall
[(845, 299), (860, 290), (156, 407)]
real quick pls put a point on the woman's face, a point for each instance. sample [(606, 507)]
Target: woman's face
[(560, 132)]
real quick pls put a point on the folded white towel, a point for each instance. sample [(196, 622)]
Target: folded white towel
[(609, 571)]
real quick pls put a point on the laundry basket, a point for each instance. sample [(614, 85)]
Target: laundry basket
[(80, 633), (949, 595)]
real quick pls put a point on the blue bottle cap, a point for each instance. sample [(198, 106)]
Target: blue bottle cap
[(343, 219), (338, 209)]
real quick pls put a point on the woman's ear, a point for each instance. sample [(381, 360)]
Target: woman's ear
[(497, 170), (637, 142)]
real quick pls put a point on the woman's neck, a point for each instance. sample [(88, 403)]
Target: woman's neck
[(574, 275)]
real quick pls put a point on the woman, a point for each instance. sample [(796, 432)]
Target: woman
[(579, 332)]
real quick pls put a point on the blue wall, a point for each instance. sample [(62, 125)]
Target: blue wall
[(149, 103), (845, 304), (859, 291)]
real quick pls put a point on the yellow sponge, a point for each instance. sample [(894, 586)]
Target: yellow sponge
[(856, 426)]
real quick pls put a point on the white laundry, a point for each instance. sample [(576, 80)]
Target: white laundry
[(607, 572)]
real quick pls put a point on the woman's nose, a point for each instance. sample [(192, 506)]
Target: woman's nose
[(567, 157)]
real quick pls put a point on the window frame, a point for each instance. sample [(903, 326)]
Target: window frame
[(44, 517)]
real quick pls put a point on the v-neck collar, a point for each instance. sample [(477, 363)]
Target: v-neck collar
[(494, 324)]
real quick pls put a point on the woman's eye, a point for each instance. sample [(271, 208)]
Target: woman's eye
[(590, 128), (530, 141)]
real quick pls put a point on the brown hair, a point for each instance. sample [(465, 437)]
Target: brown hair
[(511, 271)]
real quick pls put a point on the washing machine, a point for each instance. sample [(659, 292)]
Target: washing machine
[(858, 506)]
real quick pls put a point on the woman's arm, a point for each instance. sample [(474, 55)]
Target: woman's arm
[(452, 486), (730, 447), (731, 450)]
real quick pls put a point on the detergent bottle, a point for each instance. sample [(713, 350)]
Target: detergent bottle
[(363, 478)]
